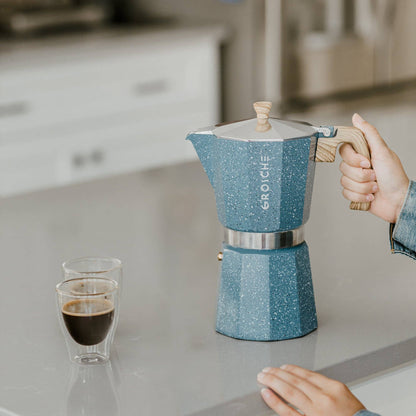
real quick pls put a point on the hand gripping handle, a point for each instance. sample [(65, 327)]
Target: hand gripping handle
[(326, 150)]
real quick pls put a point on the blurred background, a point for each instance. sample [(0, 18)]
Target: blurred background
[(93, 88)]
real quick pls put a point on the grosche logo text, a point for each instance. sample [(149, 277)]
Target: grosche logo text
[(265, 186)]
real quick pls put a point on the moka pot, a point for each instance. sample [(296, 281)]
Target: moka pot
[(262, 172)]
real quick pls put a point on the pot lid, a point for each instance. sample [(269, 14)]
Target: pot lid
[(264, 128)]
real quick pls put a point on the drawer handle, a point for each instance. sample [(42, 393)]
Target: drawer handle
[(78, 160), (17, 108), (151, 87), (81, 160), (97, 156)]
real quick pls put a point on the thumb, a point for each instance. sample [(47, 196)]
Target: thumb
[(374, 140)]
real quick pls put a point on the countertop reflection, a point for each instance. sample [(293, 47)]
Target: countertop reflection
[(92, 391)]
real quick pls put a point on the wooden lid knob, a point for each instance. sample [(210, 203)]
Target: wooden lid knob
[(262, 109)]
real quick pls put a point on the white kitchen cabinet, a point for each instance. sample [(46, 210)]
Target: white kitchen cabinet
[(105, 103)]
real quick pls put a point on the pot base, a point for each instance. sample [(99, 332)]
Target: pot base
[(266, 295)]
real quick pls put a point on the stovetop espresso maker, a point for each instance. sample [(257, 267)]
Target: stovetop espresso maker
[(262, 172)]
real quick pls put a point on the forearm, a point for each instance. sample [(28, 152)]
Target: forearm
[(403, 233)]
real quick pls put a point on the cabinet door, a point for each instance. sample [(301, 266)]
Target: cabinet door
[(402, 57), (327, 67)]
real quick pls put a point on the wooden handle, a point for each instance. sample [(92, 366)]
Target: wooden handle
[(326, 150), (262, 109)]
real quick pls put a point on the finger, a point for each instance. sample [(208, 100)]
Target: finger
[(305, 386), (374, 140), (284, 389), (356, 197), (352, 158), (359, 187), (277, 404), (357, 174), (311, 376)]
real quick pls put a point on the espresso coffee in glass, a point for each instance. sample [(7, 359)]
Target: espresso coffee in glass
[(88, 321), (88, 312)]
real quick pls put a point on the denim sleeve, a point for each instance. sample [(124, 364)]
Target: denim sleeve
[(366, 413), (403, 233)]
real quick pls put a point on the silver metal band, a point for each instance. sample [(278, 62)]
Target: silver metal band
[(264, 241)]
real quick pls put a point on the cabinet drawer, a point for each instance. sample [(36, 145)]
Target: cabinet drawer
[(153, 80), (135, 146), (23, 172), (114, 149)]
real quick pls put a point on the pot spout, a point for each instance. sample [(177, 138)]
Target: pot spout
[(203, 142)]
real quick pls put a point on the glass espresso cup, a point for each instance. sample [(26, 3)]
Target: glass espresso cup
[(108, 267), (88, 314)]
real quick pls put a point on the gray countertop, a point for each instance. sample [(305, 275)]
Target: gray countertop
[(167, 358)]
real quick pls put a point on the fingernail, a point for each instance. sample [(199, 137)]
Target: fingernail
[(283, 367), (265, 392), (365, 164), (370, 197), (373, 176), (266, 369), (358, 118), (260, 376), (375, 187)]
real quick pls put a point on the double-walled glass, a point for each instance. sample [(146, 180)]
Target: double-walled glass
[(108, 267), (88, 313)]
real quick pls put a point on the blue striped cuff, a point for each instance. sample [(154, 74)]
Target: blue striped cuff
[(365, 413)]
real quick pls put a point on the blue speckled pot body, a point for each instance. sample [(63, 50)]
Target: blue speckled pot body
[(262, 186), (259, 186), (266, 295)]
